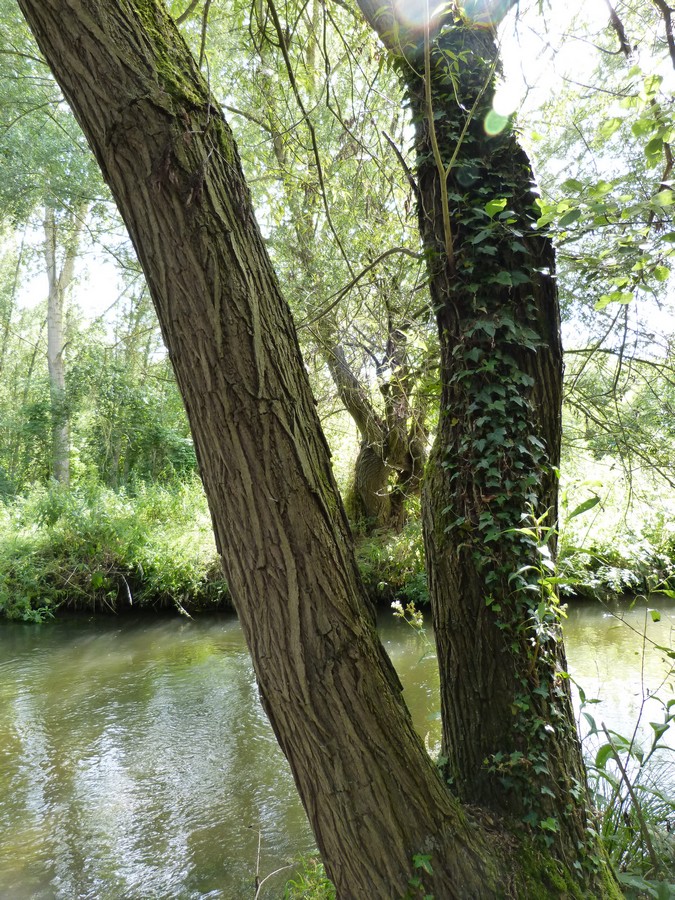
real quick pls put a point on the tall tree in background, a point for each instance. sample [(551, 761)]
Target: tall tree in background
[(60, 274), (380, 811), (305, 136), (48, 177)]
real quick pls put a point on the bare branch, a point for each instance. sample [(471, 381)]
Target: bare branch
[(667, 15), (184, 15), (618, 27)]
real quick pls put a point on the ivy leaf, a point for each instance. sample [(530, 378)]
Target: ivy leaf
[(493, 207)]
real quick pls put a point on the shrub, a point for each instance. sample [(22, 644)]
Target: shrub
[(91, 547)]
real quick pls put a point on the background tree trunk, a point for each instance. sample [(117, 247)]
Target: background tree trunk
[(59, 282)]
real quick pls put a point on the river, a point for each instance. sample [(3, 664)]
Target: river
[(136, 762)]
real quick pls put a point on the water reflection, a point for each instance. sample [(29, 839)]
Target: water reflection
[(136, 761), (612, 656)]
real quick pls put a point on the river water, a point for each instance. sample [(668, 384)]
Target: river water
[(136, 761)]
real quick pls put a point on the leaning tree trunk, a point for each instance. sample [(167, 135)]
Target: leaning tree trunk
[(373, 796)]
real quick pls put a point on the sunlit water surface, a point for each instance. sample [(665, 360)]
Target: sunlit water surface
[(136, 761)]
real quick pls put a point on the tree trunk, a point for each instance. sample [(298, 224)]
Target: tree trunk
[(59, 283), (494, 466), (390, 463), (373, 797), (490, 492)]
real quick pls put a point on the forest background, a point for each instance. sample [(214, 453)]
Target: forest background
[(101, 503)]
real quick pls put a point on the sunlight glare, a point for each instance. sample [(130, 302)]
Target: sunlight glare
[(486, 12), (414, 13)]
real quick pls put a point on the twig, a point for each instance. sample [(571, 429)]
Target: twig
[(310, 127), (618, 27), (205, 21), (276, 872), (338, 295), (404, 164), (183, 16)]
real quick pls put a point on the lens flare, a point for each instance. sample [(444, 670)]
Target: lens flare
[(495, 123), (486, 12), (414, 13)]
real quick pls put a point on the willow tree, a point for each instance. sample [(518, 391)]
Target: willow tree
[(384, 819), (315, 151), (491, 486)]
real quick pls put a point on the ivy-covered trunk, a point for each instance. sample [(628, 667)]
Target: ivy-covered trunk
[(490, 493), (490, 497)]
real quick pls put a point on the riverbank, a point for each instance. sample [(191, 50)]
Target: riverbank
[(95, 549)]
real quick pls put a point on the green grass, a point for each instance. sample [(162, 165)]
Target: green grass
[(310, 882), (92, 548)]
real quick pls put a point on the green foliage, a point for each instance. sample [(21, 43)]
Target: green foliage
[(421, 863), (310, 883), (392, 565), (614, 548), (45, 157), (630, 780), (92, 548)]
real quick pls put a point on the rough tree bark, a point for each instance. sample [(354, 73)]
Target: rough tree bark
[(490, 493), (372, 795)]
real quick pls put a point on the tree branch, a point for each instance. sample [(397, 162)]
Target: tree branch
[(184, 15)]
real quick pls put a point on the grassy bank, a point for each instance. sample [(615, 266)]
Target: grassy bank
[(91, 548), (95, 549)]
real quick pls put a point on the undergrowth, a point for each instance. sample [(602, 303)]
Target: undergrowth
[(92, 548)]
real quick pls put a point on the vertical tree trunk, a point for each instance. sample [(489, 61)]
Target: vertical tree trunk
[(490, 494), (494, 466), (59, 283)]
